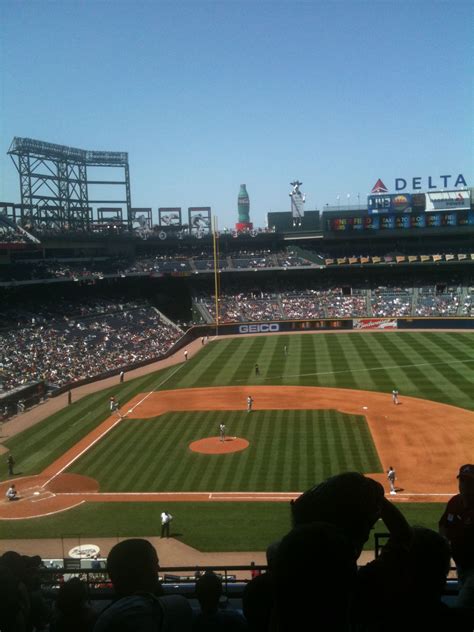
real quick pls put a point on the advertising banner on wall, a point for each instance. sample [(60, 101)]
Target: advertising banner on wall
[(375, 323), (448, 201), (387, 222)]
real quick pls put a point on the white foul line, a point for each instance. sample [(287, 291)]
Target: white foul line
[(109, 429)]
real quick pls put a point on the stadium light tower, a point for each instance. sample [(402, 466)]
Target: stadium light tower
[(54, 183)]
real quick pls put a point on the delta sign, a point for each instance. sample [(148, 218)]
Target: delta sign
[(401, 184), (381, 201)]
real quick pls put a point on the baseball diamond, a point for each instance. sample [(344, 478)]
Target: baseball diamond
[(323, 407)]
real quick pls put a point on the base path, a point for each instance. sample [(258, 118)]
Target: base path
[(425, 441)]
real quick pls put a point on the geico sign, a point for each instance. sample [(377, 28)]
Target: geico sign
[(257, 329)]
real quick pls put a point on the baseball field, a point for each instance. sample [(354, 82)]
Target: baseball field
[(322, 405)]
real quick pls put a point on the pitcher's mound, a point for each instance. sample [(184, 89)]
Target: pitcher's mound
[(213, 445)]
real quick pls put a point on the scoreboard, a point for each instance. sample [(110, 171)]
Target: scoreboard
[(392, 221)]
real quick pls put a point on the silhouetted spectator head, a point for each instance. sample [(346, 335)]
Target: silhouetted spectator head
[(208, 592), (430, 560), (350, 501), (466, 479), (271, 553), (14, 562), (133, 567), (315, 574), (72, 595)]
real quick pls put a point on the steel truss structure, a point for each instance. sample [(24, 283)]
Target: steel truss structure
[(54, 184)]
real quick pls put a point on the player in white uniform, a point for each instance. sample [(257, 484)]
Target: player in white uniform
[(249, 404), (395, 396)]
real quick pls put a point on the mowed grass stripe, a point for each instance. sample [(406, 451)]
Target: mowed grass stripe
[(269, 463), (462, 345), (233, 422), (204, 371), (430, 353), (363, 347), (323, 351), (291, 445), (454, 373), (251, 461), (426, 377), (110, 458), (307, 465), (183, 476), (243, 367), (340, 361), (340, 459), (135, 463), (276, 364), (414, 377)]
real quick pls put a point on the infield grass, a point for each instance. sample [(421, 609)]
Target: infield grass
[(289, 450)]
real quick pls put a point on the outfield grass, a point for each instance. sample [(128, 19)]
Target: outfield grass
[(289, 450), (436, 366)]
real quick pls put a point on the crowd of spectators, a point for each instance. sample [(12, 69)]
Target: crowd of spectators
[(341, 302), (435, 303), (467, 307), (313, 580), (81, 343), (391, 301)]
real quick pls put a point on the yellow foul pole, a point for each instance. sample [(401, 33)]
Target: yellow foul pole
[(216, 270)]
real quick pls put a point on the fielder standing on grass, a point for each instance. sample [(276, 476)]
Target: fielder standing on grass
[(166, 518)]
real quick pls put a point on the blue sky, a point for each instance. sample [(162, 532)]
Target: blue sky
[(207, 95)]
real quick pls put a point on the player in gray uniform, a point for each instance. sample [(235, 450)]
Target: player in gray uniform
[(222, 432), (391, 475)]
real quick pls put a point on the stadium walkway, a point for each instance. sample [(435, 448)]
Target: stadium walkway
[(170, 551)]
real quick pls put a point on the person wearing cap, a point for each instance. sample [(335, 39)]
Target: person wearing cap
[(11, 493), (457, 526)]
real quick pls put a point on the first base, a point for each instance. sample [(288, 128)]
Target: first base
[(36, 493)]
